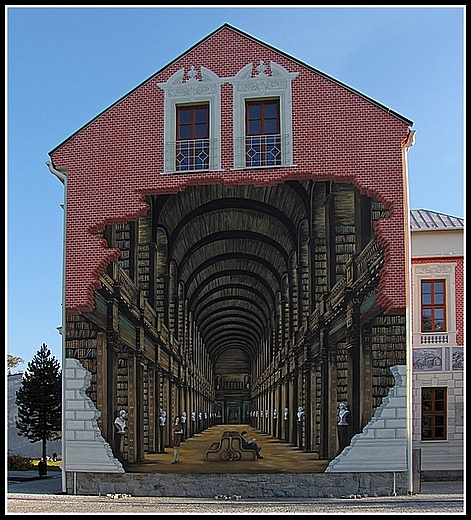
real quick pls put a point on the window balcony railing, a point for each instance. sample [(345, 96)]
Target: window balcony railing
[(190, 155), (256, 151), (432, 339)]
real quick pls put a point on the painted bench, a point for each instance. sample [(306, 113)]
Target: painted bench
[(229, 447)]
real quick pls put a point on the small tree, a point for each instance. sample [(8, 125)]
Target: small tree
[(39, 400)]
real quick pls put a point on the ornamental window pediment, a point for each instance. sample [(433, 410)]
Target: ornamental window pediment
[(199, 150), (262, 118), (253, 93)]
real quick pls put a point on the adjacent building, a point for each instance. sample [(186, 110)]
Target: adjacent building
[(437, 247)]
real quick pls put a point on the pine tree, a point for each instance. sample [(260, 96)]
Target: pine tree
[(39, 401)]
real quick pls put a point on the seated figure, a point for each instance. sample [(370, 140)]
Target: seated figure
[(250, 445)]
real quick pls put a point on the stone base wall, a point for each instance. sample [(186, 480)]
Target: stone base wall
[(296, 485)]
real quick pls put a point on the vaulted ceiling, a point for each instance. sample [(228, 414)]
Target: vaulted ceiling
[(231, 249)]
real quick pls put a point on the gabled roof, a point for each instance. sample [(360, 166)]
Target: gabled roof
[(425, 219), (260, 42)]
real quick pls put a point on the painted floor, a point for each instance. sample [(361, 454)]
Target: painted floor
[(278, 456)]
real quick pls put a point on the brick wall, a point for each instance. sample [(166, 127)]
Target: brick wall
[(117, 158)]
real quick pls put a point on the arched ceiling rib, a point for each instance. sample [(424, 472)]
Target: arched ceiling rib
[(222, 338), (204, 225), (231, 249), (227, 345), (232, 315), (226, 301), (223, 263), (236, 327), (247, 278), (235, 241)]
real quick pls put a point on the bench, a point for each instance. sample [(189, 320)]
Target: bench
[(229, 447)]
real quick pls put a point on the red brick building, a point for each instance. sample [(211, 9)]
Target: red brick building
[(235, 248)]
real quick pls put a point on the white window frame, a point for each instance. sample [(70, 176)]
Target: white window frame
[(191, 92), (431, 271), (262, 86)]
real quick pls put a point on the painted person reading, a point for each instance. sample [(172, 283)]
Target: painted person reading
[(250, 445)]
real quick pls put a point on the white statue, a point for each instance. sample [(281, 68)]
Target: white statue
[(275, 414), (183, 419), (300, 413), (120, 421), (193, 416), (162, 417), (343, 412), (285, 417)]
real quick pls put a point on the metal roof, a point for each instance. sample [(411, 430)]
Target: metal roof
[(425, 219)]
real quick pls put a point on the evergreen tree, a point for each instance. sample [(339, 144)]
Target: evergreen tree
[(39, 400)]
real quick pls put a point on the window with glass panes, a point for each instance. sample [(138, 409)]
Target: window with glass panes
[(263, 139), (434, 414), (192, 151), (433, 305)]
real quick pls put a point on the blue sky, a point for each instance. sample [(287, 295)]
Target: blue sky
[(65, 65)]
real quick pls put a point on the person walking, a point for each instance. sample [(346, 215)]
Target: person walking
[(177, 431)]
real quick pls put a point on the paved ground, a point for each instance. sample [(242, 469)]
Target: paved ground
[(28, 493), (33, 495), (28, 482)]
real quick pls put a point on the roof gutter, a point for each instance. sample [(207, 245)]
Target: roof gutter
[(406, 144), (62, 176)]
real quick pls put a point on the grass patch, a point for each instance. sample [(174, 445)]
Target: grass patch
[(20, 463), (51, 465)]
